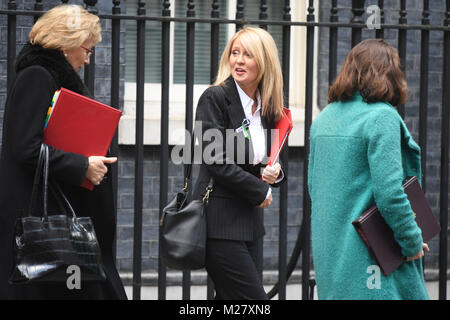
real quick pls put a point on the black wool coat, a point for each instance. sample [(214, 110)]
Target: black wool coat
[(39, 73), (232, 211)]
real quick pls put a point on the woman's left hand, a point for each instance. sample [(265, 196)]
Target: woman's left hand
[(270, 173), (97, 168), (420, 254)]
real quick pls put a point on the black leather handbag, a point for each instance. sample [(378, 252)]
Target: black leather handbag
[(183, 228), (47, 245)]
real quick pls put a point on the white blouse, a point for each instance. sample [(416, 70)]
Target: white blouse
[(256, 128)]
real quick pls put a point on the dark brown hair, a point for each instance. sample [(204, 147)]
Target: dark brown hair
[(373, 68)]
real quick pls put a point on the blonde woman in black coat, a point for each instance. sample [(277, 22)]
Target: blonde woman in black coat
[(60, 43), (240, 109)]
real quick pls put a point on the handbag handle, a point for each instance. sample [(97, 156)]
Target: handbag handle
[(37, 177), (53, 185), (41, 168)]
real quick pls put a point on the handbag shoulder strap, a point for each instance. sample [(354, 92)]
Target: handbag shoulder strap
[(188, 171), (188, 166)]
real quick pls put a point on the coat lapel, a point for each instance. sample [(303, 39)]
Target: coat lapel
[(236, 115), (235, 110)]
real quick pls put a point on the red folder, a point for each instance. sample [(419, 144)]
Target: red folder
[(81, 125), (284, 127)]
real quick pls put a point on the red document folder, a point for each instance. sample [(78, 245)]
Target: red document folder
[(81, 125), (378, 236), (284, 127)]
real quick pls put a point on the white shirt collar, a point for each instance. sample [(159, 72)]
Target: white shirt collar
[(247, 102), (256, 128)]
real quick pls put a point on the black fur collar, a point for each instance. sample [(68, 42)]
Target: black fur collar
[(55, 63)]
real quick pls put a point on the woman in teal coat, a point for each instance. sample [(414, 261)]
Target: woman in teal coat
[(361, 151)]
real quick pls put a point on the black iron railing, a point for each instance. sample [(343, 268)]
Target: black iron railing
[(356, 24)]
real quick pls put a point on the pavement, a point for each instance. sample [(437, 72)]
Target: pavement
[(293, 292)]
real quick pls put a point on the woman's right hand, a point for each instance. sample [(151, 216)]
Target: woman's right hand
[(97, 169), (420, 254)]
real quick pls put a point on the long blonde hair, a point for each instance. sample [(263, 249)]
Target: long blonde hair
[(65, 27), (260, 44)]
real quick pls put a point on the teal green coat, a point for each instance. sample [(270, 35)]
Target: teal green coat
[(360, 154)]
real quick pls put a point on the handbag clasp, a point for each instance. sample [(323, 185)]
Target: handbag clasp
[(206, 197), (161, 220), (186, 181)]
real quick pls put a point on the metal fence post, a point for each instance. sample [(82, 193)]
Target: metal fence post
[(164, 151), (308, 121), (402, 47), (139, 153), (443, 236), (239, 14), (332, 54), (358, 11), (11, 54), (115, 102), (423, 100), (379, 34)]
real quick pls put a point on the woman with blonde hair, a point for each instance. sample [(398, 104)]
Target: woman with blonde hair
[(245, 101), (60, 43)]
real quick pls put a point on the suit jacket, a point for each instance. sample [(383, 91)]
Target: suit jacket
[(232, 211)]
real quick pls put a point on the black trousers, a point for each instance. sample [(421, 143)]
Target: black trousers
[(233, 267)]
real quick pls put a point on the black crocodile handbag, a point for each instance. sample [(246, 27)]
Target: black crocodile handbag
[(48, 247)]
